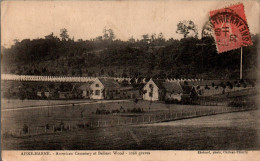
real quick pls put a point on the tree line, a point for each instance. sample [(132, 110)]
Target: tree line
[(150, 57)]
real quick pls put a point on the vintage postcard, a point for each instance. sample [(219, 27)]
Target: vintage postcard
[(130, 80)]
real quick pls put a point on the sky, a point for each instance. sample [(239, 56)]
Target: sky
[(87, 19)]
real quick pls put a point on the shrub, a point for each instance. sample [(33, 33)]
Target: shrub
[(172, 101), (115, 111), (136, 110)]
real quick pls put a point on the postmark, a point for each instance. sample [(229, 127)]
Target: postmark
[(207, 30), (230, 28)]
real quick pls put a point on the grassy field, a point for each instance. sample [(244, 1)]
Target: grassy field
[(14, 120), (225, 130), (17, 103), (232, 131)]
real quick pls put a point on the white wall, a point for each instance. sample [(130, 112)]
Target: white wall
[(94, 88), (148, 90)]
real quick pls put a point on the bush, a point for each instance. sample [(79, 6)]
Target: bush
[(172, 101), (115, 111), (136, 110)]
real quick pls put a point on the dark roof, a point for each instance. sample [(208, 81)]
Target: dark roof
[(109, 83), (85, 86), (172, 87), (168, 86), (126, 88)]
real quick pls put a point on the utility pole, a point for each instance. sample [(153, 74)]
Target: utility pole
[(241, 64)]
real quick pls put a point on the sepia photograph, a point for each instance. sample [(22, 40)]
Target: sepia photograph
[(129, 75)]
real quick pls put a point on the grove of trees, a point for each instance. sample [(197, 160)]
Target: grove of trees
[(151, 56)]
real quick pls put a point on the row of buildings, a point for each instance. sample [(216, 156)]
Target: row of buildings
[(153, 90)]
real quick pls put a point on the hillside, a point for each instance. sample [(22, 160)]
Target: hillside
[(159, 58)]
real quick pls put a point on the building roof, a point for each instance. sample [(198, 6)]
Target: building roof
[(85, 86), (172, 87), (109, 83), (168, 86)]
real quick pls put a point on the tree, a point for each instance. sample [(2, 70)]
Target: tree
[(131, 39), (16, 41), (132, 81), (187, 28), (161, 36), (153, 37), (51, 36), (145, 38), (108, 34), (112, 35), (160, 39), (64, 34), (105, 34)]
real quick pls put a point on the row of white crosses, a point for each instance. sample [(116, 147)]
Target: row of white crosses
[(45, 78), (75, 79), (182, 80), (54, 78)]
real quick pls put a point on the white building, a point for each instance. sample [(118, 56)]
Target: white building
[(156, 90), (101, 88)]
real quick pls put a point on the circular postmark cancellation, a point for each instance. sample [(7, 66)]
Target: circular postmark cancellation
[(207, 30), (229, 27)]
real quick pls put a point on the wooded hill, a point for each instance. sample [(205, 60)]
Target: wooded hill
[(152, 56)]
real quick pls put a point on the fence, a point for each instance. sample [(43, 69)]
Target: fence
[(144, 119)]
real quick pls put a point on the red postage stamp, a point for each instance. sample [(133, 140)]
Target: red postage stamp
[(230, 28)]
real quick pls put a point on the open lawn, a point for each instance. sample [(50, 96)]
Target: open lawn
[(17, 103), (36, 119), (232, 131)]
